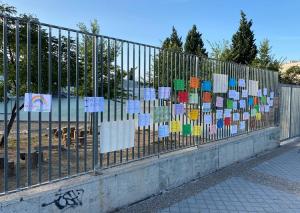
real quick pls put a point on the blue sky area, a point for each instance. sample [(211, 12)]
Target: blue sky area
[(151, 21)]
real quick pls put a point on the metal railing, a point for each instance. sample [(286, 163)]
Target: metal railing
[(70, 65)]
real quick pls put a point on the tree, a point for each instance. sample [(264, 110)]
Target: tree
[(221, 50), (174, 42), (291, 75), (194, 44), (265, 59), (243, 48)]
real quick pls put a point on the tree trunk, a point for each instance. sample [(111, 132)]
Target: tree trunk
[(11, 122)]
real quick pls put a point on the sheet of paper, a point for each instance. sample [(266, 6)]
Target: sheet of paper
[(149, 94), (212, 129), (206, 86), (267, 108), (207, 119), (259, 93), (133, 106), (193, 98), (179, 109), (242, 104), (164, 93), (231, 94), (235, 105), (253, 112), (272, 95), (163, 131), (175, 126), (233, 129), (244, 93), (261, 108), (265, 91), (219, 102), (219, 114), (220, 83), (227, 121), (179, 85), (197, 130), (34, 102), (232, 82), (186, 129), (236, 96), (227, 113), (93, 104), (183, 96), (161, 114), (220, 123), (268, 100), (144, 120), (246, 116), (258, 116), (271, 103), (253, 87), (194, 82), (242, 125), (242, 83), (206, 97), (250, 101), (229, 104), (206, 107), (236, 116), (194, 114)]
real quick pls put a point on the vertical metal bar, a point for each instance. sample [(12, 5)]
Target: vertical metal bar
[(77, 103), (139, 64), (115, 86), (59, 102), (102, 87), (108, 88), (122, 88), (149, 83), (290, 113), (5, 90), (29, 113), (50, 113), (133, 92), (128, 73), (17, 102), (154, 76), (40, 114), (85, 95), (95, 118), (69, 106)]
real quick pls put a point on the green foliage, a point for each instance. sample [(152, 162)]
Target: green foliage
[(291, 75), (243, 48), (174, 42), (221, 50), (194, 44)]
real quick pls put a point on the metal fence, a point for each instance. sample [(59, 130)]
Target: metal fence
[(40, 147), (289, 111)]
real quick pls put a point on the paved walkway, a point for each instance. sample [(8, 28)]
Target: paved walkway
[(268, 183)]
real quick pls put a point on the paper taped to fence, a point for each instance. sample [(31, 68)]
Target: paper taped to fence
[(133, 106), (116, 135), (242, 83), (219, 114), (93, 104), (163, 131), (144, 119), (220, 83), (149, 94), (37, 102), (253, 87), (164, 93)]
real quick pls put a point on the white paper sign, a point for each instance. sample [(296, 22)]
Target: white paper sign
[(244, 93), (231, 94), (144, 120), (220, 83), (246, 116), (133, 106), (207, 119), (227, 113), (265, 91), (116, 135), (206, 107), (272, 95), (34, 102), (242, 83), (164, 93), (242, 125), (267, 108), (233, 129), (236, 116), (242, 104), (149, 94), (219, 114), (235, 105), (93, 104), (259, 93), (253, 87), (236, 96), (219, 102)]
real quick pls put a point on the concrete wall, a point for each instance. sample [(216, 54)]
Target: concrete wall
[(126, 184)]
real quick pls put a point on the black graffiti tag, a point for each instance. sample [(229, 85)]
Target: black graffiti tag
[(69, 199)]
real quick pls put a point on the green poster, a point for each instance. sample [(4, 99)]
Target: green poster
[(263, 100), (186, 129), (178, 84), (229, 104), (256, 107)]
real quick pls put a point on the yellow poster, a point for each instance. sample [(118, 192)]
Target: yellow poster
[(197, 130), (194, 114), (175, 126), (258, 116)]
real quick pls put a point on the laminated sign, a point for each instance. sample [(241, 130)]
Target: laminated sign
[(183, 97), (220, 123), (232, 82), (219, 102), (206, 107), (164, 93), (194, 82), (133, 106), (149, 94), (178, 85), (229, 104), (206, 86), (242, 83), (37, 102), (220, 83), (116, 135), (175, 126), (253, 88), (163, 131), (179, 109), (186, 129), (161, 114), (193, 114), (206, 97), (93, 104), (196, 130), (144, 120), (193, 98)]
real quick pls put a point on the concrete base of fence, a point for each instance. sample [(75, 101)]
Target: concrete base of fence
[(126, 184)]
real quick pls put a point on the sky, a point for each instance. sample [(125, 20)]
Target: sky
[(151, 21)]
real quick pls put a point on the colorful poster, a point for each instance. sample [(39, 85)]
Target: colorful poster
[(179, 84), (186, 129), (206, 86), (206, 107), (220, 83), (253, 87), (163, 131), (229, 104), (227, 121), (194, 82), (183, 97), (219, 102), (161, 114), (175, 126), (258, 116), (179, 109), (34, 102), (206, 97), (232, 82), (263, 100), (244, 93), (197, 130), (133, 106), (164, 93), (220, 123), (242, 83), (144, 119), (253, 112), (149, 94), (213, 129), (250, 101), (193, 98), (93, 104), (219, 114), (207, 119), (194, 114), (110, 141)]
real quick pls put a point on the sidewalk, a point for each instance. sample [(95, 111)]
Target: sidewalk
[(268, 183)]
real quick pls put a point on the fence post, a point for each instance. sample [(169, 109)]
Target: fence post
[(95, 117), (290, 121)]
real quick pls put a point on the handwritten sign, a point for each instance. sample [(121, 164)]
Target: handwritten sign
[(219, 101), (34, 102), (93, 104), (220, 83)]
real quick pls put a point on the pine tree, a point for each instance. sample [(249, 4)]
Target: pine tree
[(194, 44), (243, 48), (174, 42)]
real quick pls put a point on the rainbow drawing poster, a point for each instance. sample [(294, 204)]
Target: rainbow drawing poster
[(37, 102)]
